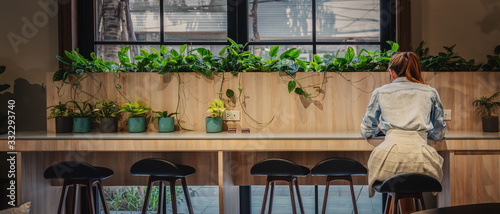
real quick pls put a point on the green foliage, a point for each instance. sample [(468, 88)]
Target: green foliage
[(60, 110), (135, 109), (84, 108), (165, 113), (234, 59), (445, 61), (216, 108), (493, 63), (229, 93), (486, 106), (106, 109), (131, 198), (75, 63)]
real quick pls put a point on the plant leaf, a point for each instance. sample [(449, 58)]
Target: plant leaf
[(229, 93), (183, 48), (299, 91), (59, 58), (301, 63), (274, 51), (317, 59), (163, 50), (349, 54), (291, 86)]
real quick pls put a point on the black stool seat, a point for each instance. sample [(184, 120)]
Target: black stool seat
[(75, 170), (408, 183), (339, 169), (465, 209), (279, 167), (163, 171), (76, 173), (160, 168)]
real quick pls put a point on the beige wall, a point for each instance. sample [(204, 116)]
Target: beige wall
[(474, 25), (28, 61)]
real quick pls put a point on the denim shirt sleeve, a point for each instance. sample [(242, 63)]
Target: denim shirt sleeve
[(369, 126), (437, 119)]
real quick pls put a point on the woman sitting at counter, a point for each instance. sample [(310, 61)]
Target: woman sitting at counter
[(409, 112)]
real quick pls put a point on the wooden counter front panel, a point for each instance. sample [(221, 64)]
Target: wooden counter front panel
[(475, 178)]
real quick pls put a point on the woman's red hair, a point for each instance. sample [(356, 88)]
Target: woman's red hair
[(407, 64)]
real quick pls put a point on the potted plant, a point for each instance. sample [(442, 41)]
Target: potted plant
[(486, 107), (107, 112), (63, 116), (165, 121), (137, 116), (82, 118), (214, 122)]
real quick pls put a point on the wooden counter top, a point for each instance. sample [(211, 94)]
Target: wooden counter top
[(201, 141)]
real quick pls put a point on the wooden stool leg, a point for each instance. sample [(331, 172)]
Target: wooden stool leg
[(355, 207), (265, 198), (421, 200), (388, 204), (172, 195), (90, 197), (298, 195), (291, 196), (161, 206), (75, 196), (271, 198), (146, 200), (186, 195), (395, 203), (326, 196), (63, 197), (103, 200)]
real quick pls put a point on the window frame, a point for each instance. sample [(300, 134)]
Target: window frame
[(237, 28)]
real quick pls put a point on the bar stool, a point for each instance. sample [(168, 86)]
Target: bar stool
[(277, 169), (407, 185), (163, 171), (79, 173), (339, 169)]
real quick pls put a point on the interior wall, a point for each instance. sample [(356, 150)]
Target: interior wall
[(471, 24), (29, 45)]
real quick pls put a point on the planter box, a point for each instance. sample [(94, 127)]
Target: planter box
[(81, 125)]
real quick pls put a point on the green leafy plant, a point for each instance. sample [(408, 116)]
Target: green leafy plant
[(106, 109), (445, 61), (486, 106), (135, 109), (165, 113), (216, 108), (77, 64), (60, 110), (84, 108), (493, 63)]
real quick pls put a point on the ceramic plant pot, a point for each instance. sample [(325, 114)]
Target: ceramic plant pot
[(81, 125), (64, 124), (166, 124), (213, 124), (108, 125), (136, 124), (490, 124)]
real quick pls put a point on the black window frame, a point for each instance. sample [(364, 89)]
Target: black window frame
[(237, 28)]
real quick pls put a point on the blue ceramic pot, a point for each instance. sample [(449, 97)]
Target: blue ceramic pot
[(136, 124), (166, 124), (213, 124), (81, 125)]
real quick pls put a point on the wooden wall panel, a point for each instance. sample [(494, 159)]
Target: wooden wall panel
[(475, 178), (340, 107)]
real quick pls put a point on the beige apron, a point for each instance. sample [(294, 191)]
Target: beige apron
[(403, 151)]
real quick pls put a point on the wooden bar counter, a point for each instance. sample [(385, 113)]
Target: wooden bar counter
[(472, 160)]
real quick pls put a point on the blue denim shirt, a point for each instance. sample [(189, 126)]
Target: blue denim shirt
[(404, 105)]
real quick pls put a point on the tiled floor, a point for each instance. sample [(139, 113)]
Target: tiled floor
[(205, 201)]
